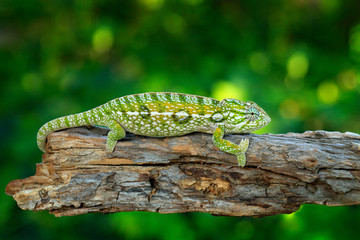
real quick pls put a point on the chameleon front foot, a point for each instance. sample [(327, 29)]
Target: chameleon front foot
[(240, 155), (229, 147)]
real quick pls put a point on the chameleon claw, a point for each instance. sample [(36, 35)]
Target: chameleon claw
[(244, 144)]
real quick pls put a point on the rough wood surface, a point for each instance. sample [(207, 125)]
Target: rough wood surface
[(189, 174)]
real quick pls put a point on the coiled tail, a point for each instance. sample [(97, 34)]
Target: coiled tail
[(91, 117)]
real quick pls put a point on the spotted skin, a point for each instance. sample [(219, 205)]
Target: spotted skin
[(163, 114)]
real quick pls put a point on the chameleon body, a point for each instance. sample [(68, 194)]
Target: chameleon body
[(163, 114)]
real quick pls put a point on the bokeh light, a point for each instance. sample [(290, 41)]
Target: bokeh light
[(226, 89), (103, 39), (328, 92), (297, 65), (347, 80)]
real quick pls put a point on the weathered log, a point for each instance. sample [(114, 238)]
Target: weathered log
[(189, 174)]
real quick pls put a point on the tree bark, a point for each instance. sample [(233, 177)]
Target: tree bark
[(189, 174)]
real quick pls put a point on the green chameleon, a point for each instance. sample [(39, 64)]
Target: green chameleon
[(164, 114)]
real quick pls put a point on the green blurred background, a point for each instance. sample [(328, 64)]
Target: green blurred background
[(298, 59)]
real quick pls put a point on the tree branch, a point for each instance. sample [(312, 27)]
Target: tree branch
[(189, 174)]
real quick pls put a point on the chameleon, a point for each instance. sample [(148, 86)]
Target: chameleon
[(166, 114)]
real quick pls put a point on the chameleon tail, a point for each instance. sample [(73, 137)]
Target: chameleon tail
[(90, 117)]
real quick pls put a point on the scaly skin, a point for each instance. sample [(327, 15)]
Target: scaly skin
[(165, 114)]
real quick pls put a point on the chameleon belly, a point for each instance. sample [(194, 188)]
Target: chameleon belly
[(165, 114)]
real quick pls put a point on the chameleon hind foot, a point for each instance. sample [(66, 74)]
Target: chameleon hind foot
[(116, 133)]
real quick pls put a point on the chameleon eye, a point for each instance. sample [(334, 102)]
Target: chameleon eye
[(252, 114)]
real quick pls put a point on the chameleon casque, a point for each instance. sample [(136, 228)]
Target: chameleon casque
[(165, 114)]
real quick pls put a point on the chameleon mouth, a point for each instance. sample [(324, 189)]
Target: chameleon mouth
[(267, 120)]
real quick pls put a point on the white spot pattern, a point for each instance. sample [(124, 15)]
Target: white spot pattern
[(217, 117)]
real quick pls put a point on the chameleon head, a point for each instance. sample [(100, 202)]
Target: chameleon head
[(243, 117)]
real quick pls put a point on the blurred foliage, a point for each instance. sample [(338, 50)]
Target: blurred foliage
[(298, 59)]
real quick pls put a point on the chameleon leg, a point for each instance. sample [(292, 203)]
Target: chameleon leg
[(116, 133), (229, 147)]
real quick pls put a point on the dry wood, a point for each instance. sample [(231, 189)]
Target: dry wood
[(189, 174)]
